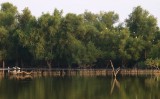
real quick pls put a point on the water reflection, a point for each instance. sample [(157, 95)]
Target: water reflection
[(20, 77), (115, 82), (77, 87)]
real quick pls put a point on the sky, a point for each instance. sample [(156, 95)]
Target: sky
[(121, 7)]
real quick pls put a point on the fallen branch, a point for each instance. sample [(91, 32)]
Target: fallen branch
[(115, 72)]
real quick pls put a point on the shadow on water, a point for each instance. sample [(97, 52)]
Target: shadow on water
[(79, 87)]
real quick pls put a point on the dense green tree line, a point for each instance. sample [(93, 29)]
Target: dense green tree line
[(83, 40)]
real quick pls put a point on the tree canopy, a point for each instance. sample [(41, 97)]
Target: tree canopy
[(77, 40)]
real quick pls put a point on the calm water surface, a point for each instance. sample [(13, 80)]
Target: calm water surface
[(76, 87)]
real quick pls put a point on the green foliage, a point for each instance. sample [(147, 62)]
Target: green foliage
[(142, 65), (141, 23), (155, 53), (153, 63), (134, 47), (91, 54), (8, 24), (108, 19), (77, 40)]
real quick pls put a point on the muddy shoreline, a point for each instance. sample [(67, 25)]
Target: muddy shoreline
[(80, 72)]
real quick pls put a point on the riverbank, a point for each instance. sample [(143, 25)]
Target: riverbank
[(80, 72)]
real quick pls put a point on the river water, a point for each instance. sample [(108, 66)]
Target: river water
[(80, 87)]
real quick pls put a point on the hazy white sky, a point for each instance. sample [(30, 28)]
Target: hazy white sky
[(122, 7)]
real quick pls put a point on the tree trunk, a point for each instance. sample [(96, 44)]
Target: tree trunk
[(123, 63), (16, 64), (3, 62), (145, 54), (49, 64), (22, 64)]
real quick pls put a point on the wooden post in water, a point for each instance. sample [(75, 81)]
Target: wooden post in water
[(115, 72)]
